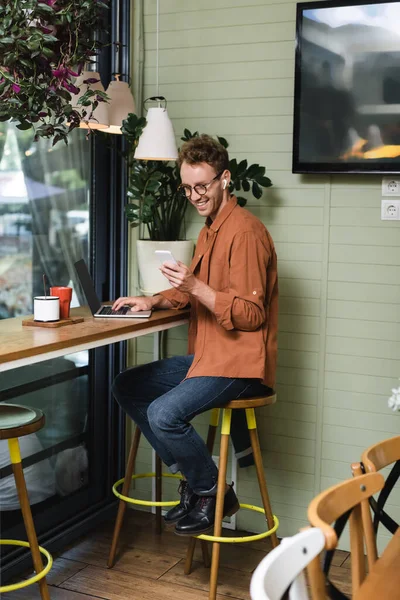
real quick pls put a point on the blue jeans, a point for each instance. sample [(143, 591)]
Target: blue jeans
[(162, 405)]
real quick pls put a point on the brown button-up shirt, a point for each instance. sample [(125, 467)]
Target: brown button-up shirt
[(235, 256)]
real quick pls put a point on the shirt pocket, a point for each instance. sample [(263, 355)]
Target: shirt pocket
[(219, 275)]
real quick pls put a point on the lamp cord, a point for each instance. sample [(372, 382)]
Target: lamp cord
[(157, 47)]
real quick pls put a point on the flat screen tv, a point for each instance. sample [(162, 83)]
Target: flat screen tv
[(347, 87)]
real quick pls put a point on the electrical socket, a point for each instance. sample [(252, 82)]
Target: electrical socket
[(390, 186), (390, 210)]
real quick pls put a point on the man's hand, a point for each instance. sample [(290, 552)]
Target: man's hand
[(179, 276), (137, 303)]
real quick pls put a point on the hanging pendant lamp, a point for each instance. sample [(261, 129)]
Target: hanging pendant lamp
[(157, 141), (120, 105), (99, 118)]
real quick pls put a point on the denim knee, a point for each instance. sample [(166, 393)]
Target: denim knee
[(160, 419)]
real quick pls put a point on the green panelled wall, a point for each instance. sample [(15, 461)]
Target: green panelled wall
[(226, 68)]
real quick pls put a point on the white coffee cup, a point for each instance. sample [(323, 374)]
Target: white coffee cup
[(46, 308)]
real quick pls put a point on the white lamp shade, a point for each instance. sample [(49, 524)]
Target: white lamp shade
[(99, 119), (120, 105), (157, 141)]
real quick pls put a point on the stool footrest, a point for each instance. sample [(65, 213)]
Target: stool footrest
[(31, 580), (144, 502), (246, 538)]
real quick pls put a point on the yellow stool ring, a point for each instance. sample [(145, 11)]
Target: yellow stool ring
[(246, 538), (31, 580), (144, 502)]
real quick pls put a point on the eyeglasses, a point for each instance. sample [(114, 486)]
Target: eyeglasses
[(200, 188)]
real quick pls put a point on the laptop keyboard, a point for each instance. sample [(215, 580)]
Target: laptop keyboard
[(107, 310)]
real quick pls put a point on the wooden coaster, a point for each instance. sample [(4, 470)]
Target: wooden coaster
[(60, 323)]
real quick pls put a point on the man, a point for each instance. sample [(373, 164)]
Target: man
[(232, 290)]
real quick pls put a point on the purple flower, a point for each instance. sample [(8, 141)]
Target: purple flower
[(43, 114), (72, 73), (91, 80), (70, 87), (61, 73), (16, 88)]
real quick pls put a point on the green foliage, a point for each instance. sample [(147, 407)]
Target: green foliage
[(153, 199), (44, 44)]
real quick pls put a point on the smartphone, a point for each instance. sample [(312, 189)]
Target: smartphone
[(165, 255)]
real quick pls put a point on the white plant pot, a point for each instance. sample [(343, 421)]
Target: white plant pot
[(151, 279)]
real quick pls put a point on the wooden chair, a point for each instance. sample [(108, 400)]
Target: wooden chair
[(374, 459), (283, 567), (339, 504), (15, 422)]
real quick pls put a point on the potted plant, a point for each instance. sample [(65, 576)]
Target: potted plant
[(158, 209), (44, 45)]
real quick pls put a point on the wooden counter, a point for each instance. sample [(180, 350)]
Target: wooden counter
[(21, 346)]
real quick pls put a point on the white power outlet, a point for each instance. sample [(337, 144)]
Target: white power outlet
[(390, 186), (390, 210)]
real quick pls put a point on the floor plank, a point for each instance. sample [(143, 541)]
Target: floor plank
[(146, 563), (115, 585), (32, 593), (231, 582)]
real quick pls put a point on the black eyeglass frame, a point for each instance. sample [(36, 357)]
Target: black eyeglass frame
[(182, 188)]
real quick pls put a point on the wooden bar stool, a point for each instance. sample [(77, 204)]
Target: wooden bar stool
[(15, 422), (124, 499), (249, 405)]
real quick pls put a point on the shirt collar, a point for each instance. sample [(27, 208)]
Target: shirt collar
[(223, 215)]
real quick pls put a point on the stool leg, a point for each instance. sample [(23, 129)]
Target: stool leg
[(212, 432), (158, 493), (219, 509), (255, 444), (125, 489), (27, 514)]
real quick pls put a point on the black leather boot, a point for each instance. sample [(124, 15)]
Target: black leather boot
[(187, 503), (201, 518)]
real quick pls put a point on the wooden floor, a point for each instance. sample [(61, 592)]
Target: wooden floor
[(150, 567)]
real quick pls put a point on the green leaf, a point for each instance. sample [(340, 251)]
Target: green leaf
[(263, 181), (242, 166), (222, 141), (246, 185), (24, 125), (256, 190), (241, 201)]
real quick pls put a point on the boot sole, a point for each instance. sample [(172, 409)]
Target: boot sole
[(230, 513)]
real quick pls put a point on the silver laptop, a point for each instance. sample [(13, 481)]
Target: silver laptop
[(103, 311)]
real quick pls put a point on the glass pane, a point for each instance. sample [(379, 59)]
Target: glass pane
[(44, 215), (44, 228), (59, 459)]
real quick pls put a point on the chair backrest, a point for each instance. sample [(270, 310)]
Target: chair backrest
[(337, 504), (381, 455), (374, 459), (284, 565)]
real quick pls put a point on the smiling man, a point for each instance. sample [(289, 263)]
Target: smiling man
[(232, 289)]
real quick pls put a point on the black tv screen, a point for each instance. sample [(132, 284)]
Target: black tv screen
[(347, 87)]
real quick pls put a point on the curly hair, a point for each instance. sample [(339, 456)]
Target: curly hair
[(204, 149)]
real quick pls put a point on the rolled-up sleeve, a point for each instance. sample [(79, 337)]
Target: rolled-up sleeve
[(242, 307), (178, 299)]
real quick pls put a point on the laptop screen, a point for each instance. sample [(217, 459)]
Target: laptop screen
[(87, 285)]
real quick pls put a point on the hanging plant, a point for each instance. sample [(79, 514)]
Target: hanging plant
[(44, 45)]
